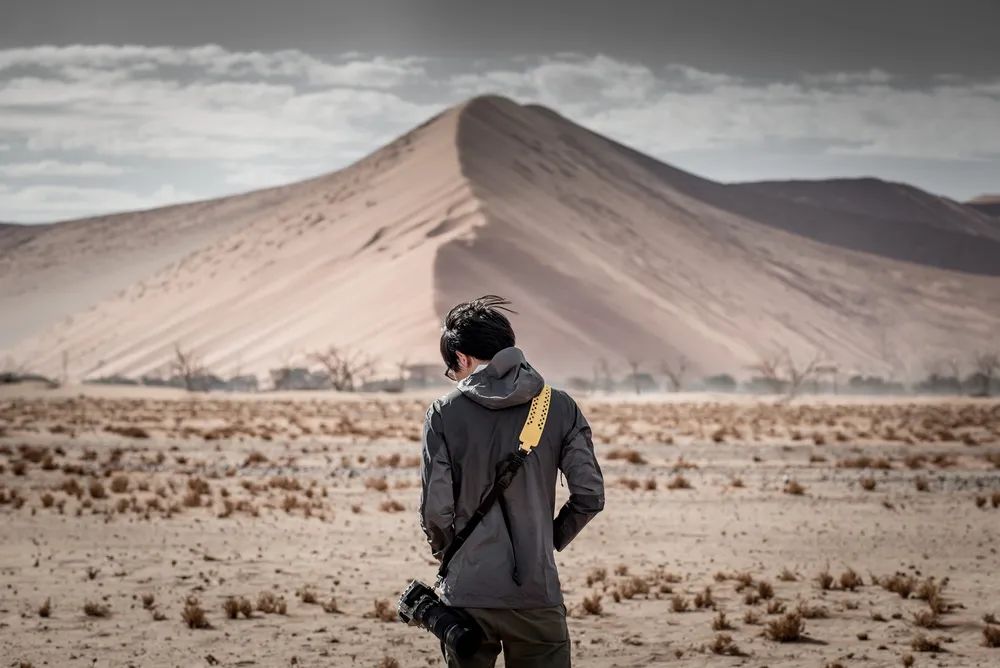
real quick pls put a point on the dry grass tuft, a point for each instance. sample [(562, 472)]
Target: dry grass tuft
[(391, 506), (901, 584), (991, 635), (788, 628), (679, 604), (678, 482), (868, 483), (794, 488), (720, 623), (850, 580), (384, 611), (592, 604), (93, 609), (723, 644), (597, 575), (923, 643), (45, 609), (270, 603), (704, 599), (194, 615)]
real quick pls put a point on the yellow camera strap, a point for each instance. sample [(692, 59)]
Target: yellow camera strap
[(531, 433)]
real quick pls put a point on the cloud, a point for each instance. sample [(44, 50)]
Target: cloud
[(59, 168), (45, 202), (246, 119)]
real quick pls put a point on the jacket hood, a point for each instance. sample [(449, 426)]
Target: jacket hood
[(508, 380)]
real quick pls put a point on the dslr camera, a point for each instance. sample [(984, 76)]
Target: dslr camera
[(420, 606)]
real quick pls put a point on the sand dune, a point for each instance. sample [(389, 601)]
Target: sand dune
[(606, 253)]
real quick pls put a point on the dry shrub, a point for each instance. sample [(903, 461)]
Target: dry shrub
[(630, 483), (232, 607), (825, 580), (720, 623), (384, 611), (194, 615), (794, 488), (678, 482), (597, 575), (807, 611), (378, 484), (924, 643), (48, 500), (148, 601), (130, 431), (97, 490), (751, 617), (788, 628), (592, 604), (787, 575), (927, 619), (765, 589), (632, 587), (850, 580), (246, 607), (308, 595), (868, 483), (94, 609), (650, 484), (743, 580), (628, 454), (255, 457), (736, 482), (270, 603), (991, 636), (907, 660), (119, 484), (388, 662), (45, 609), (391, 506), (678, 603), (331, 605), (921, 483), (775, 607), (901, 584), (723, 644), (192, 499), (703, 599)]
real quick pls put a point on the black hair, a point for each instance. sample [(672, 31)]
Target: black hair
[(476, 328)]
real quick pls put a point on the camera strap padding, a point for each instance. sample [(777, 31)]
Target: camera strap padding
[(531, 434)]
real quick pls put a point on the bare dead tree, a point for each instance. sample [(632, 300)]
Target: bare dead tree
[(345, 368), (401, 366), (768, 367), (797, 374), (675, 372), (187, 365), (986, 365), (634, 365)]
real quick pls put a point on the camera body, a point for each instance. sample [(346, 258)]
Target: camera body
[(419, 605)]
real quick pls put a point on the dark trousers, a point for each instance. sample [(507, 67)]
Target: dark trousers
[(530, 638)]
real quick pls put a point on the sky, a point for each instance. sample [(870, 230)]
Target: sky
[(113, 105)]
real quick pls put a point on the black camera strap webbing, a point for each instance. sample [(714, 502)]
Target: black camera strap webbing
[(531, 434)]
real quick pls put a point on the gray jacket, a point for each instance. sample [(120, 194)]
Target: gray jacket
[(466, 433)]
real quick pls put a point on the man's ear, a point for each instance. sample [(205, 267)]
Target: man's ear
[(463, 360)]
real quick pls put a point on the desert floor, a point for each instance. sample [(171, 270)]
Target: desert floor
[(152, 510)]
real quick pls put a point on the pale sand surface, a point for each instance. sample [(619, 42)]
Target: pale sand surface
[(329, 454)]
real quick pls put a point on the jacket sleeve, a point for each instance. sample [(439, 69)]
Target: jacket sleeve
[(437, 497), (583, 476)]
